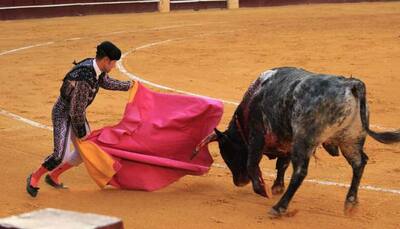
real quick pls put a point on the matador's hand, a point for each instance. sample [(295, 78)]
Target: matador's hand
[(132, 83)]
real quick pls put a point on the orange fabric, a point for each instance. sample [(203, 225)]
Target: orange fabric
[(132, 91), (98, 163)]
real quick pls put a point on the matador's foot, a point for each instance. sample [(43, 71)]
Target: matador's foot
[(33, 191), (54, 184)]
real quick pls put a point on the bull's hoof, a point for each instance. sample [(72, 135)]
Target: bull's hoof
[(280, 212), (277, 212), (350, 206), (262, 190), (278, 189)]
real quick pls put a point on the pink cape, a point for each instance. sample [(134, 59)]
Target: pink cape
[(151, 146)]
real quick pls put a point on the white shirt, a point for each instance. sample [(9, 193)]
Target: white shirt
[(96, 68)]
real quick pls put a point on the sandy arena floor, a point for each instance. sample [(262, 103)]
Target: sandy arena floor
[(215, 53)]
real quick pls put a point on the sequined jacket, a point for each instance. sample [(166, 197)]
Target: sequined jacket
[(79, 89)]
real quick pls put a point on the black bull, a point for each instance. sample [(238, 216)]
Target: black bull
[(286, 113)]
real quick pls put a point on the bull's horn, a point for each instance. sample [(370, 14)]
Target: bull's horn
[(210, 138)]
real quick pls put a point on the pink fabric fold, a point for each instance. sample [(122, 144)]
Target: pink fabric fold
[(153, 142)]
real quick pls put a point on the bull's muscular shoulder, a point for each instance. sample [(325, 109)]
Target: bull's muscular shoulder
[(276, 94), (280, 82)]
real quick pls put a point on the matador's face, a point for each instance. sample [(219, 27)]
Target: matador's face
[(109, 64)]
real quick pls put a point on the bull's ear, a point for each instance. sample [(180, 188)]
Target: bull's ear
[(219, 133)]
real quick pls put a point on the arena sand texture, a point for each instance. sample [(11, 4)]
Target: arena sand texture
[(215, 53)]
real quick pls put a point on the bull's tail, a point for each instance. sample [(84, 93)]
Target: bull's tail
[(387, 137)]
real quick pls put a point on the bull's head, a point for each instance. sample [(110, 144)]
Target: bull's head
[(233, 153)]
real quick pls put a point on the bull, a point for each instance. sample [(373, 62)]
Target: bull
[(286, 114)]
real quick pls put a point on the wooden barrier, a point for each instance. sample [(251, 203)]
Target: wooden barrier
[(22, 9), (198, 4), (261, 3), (233, 4), (164, 6)]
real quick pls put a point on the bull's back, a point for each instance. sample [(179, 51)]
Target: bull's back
[(296, 98)]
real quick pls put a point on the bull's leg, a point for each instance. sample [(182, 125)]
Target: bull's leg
[(279, 184), (356, 157), (301, 152), (256, 145)]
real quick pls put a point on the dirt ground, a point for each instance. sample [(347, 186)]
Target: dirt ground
[(218, 54)]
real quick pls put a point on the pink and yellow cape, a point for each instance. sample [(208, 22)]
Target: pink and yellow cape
[(151, 146)]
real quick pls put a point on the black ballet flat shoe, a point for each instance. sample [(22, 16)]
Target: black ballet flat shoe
[(52, 183), (33, 191)]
